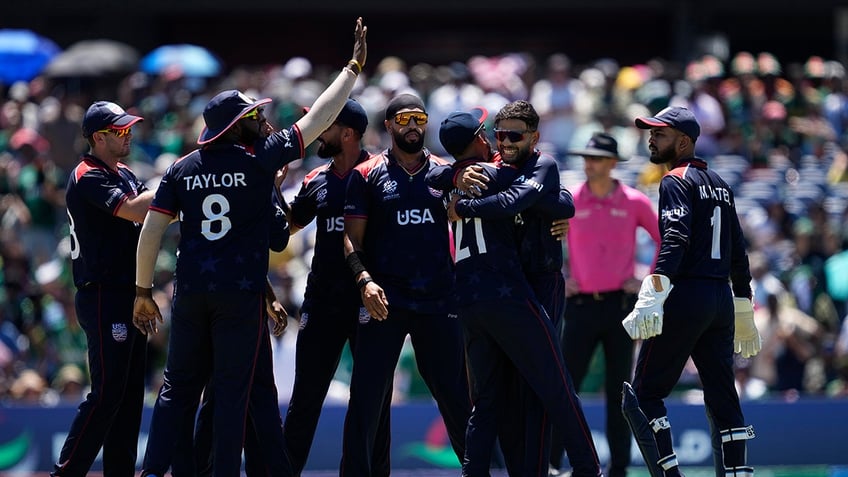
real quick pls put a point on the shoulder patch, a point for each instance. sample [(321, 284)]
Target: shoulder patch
[(314, 173), (364, 168), (83, 167)]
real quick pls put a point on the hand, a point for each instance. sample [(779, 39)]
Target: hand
[(646, 319), (360, 48), (559, 229), (472, 181), (278, 314), (146, 313), (452, 215), (571, 287), (268, 128), (374, 300), (280, 176), (746, 338)]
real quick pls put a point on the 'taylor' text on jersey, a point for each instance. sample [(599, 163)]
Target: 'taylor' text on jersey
[(206, 181)]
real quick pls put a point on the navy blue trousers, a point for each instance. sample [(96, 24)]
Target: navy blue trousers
[(110, 415)]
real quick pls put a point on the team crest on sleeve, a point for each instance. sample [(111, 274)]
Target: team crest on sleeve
[(322, 195), (119, 332), (287, 137)]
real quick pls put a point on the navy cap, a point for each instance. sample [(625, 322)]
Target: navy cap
[(104, 114), (678, 118), (403, 101), (223, 111), (600, 145), (459, 129), (353, 116)]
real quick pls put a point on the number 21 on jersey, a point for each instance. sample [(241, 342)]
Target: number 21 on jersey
[(463, 252)]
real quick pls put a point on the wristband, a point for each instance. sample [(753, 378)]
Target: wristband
[(363, 281), (143, 292), (354, 262), (354, 66)]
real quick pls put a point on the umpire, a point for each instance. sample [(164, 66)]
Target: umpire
[(106, 206), (601, 287)]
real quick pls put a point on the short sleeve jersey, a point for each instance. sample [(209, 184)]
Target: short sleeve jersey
[(700, 230), (103, 245), (221, 194), (322, 197), (407, 244)]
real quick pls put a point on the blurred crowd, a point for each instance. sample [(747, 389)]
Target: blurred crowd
[(777, 132)]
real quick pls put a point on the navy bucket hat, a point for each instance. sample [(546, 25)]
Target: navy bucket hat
[(223, 111)]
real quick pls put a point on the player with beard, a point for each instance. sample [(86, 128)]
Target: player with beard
[(526, 436), (330, 310), (220, 193), (397, 246), (106, 203), (696, 303)]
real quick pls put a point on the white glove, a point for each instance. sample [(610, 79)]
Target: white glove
[(646, 319), (746, 338)]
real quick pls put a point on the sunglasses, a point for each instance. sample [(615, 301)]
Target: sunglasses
[(403, 118), (117, 132), (253, 114), (513, 136)]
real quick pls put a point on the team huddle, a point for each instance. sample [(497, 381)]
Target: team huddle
[(483, 301)]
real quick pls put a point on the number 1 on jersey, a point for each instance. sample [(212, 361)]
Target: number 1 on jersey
[(715, 251)]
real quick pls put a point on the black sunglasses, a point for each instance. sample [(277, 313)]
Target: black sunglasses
[(513, 136)]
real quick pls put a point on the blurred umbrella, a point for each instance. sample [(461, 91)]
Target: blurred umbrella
[(23, 54), (190, 60), (94, 58)]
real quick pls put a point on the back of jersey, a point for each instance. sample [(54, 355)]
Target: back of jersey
[(223, 199), (699, 225), (487, 262)]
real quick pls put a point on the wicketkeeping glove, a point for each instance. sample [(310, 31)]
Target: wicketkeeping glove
[(646, 319), (746, 339)]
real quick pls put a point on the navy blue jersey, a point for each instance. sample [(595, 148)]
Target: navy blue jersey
[(102, 244), (444, 177), (322, 197), (221, 195), (407, 244), (487, 262), (278, 239), (537, 196), (701, 235)]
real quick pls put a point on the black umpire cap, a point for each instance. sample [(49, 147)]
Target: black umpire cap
[(600, 145)]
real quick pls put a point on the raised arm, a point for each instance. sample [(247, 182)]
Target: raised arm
[(325, 109)]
